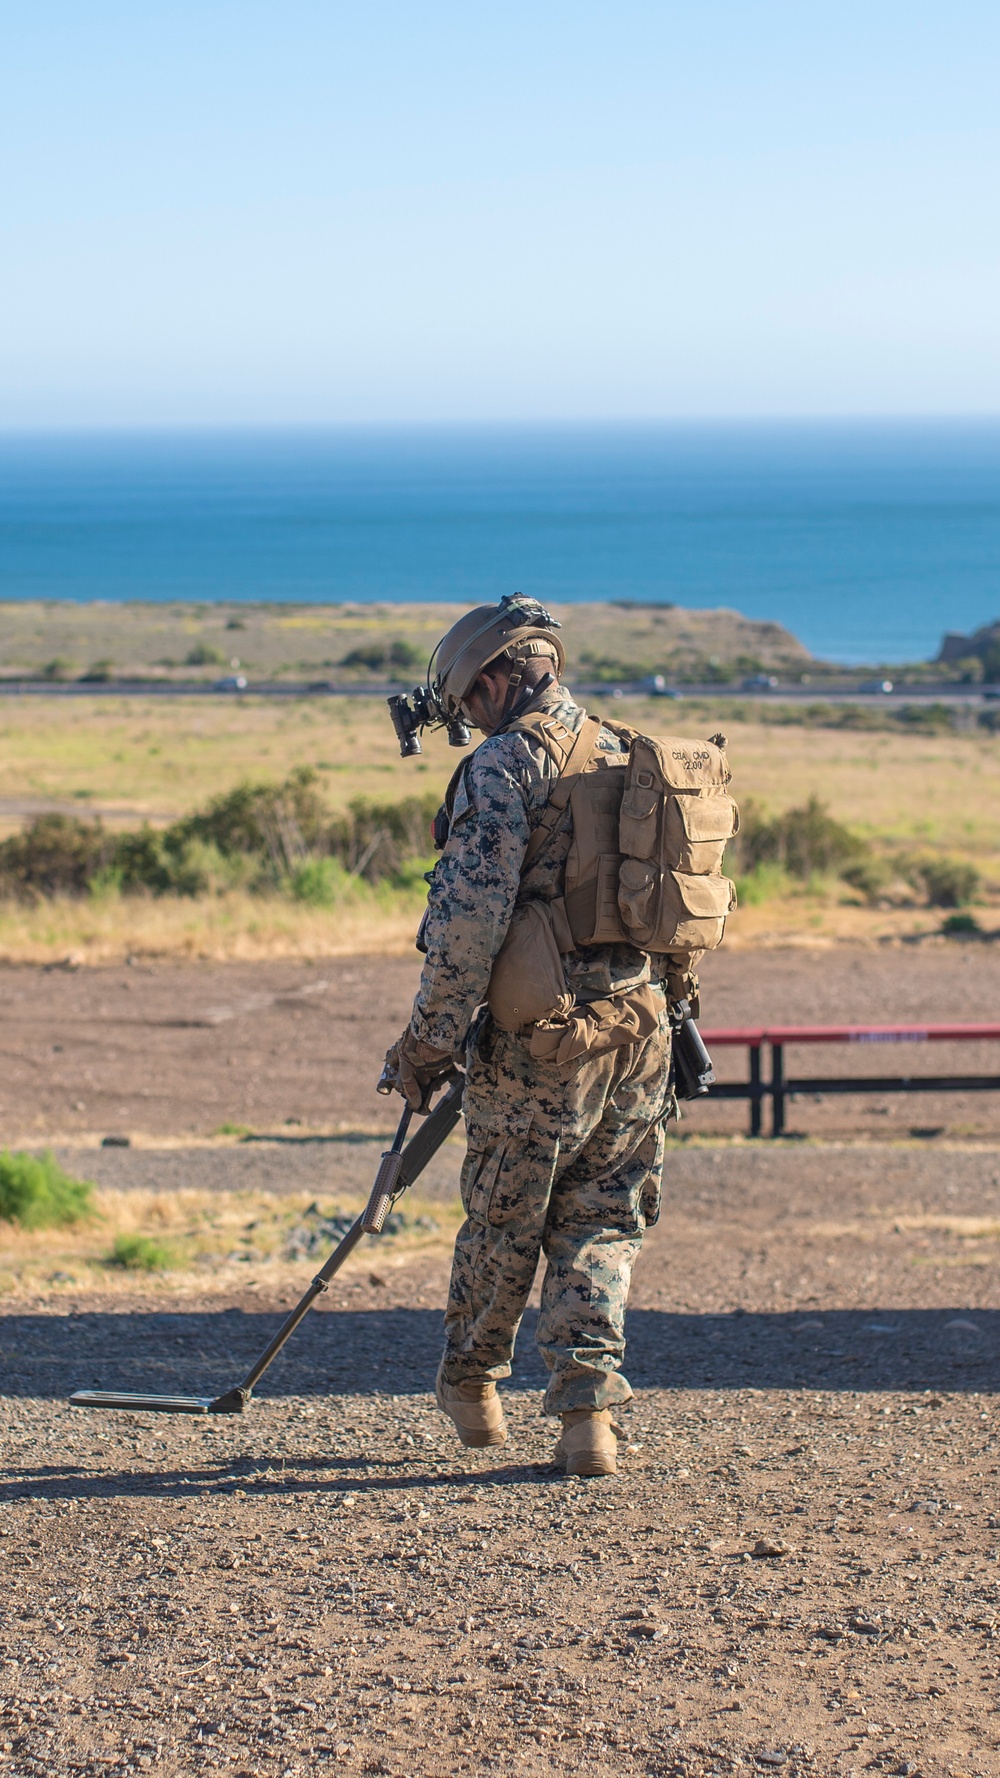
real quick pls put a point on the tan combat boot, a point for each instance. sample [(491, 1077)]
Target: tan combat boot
[(474, 1409), (588, 1445)]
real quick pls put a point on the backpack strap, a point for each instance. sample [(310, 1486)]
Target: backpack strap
[(575, 763)]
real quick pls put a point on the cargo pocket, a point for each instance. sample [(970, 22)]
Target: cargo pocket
[(494, 1150), (693, 911), (697, 830)]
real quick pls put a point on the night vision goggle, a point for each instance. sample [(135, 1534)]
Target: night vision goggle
[(431, 705), (423, 709)]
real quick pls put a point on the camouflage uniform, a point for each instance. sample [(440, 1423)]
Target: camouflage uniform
[(563, 1160)]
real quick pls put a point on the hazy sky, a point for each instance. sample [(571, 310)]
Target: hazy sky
[(302, 210)]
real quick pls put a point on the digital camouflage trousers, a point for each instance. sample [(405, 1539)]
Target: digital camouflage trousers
[(564, 1161)]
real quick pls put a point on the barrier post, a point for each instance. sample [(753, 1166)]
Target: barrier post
[(756, 1096), (777, 1089)]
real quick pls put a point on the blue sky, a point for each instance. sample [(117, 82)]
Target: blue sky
[(245, 212)]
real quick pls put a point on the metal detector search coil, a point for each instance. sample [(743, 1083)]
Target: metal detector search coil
[(398, 1168)]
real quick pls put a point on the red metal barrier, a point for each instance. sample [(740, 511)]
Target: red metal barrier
[(778, 1087)]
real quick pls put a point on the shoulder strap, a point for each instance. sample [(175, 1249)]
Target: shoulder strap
[(549, 732), (576, 762)]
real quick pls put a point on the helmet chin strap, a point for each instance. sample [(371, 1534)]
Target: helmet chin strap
[(521, 704)]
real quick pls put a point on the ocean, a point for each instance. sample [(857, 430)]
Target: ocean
[(868, 540)]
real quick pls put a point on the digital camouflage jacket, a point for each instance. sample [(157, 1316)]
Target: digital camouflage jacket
[(500, 796)]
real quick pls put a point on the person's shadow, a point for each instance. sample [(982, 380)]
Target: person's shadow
[(395, 1351)]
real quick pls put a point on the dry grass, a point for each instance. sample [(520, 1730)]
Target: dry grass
[(159, 758), (156, 758), (231, 927), (162, 756), (307, 642), (216, 1242)]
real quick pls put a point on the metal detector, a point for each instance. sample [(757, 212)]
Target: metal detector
[(399, 1167)]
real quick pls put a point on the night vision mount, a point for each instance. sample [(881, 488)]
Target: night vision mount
[(428, 706)]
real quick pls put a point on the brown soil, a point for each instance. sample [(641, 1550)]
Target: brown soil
[(331, 1583), (182, 1049)]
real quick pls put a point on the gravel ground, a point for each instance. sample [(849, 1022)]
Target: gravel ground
[(795, 1571)]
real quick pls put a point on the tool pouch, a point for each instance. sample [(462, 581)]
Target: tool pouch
[(598, 1026), (528, 982)]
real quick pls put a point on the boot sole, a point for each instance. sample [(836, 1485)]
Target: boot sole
[(478, 1441), (588, 1466)]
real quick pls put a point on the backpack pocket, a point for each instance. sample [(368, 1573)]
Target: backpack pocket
[(695, 908), (673, 910), (697, 830)]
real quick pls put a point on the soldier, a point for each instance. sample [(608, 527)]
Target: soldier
[(564, 1155)]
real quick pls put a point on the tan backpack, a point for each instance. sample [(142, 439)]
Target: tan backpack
[(650, 826)]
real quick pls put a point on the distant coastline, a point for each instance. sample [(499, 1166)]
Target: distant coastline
[(866, 540)]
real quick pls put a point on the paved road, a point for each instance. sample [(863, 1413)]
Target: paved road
[(958, 695)]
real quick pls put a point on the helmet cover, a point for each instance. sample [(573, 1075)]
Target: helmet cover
[(484, 634)]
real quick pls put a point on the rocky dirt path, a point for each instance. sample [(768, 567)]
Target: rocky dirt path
[(797, 1570)]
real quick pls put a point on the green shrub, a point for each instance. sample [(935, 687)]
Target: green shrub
[(762, 883), (961, 926), (948, 882), (258, 836), (927, 719), (391, 658), (377, 840), (281, 825), (140, 1253), (36, 1193), (320, 882), (99, 673), (805, 842), (54, 855), (870, 876), (204, 655)]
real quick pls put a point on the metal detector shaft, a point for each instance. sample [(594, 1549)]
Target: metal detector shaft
[(341, 1252), (398, 1169)]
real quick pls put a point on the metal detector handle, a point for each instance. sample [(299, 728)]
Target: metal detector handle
[(386, 1188)]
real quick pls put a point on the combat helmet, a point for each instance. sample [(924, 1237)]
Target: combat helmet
[(517, 628)]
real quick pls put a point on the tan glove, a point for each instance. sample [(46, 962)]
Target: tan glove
[(413, 1069)]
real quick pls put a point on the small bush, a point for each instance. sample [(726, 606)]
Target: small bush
[(761, 884), (870, 876), (320, 882), (99, 673), (140, 1253), (806, 842), (961, 926), (204, 655), (949, 882), (391, 658), (54, 855), (279, 824), (36, 1193)]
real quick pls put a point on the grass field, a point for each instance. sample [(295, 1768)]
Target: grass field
[(192, 1242), (350, 644), (145, 758)]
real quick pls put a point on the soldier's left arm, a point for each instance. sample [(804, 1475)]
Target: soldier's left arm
[(474, 891)]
